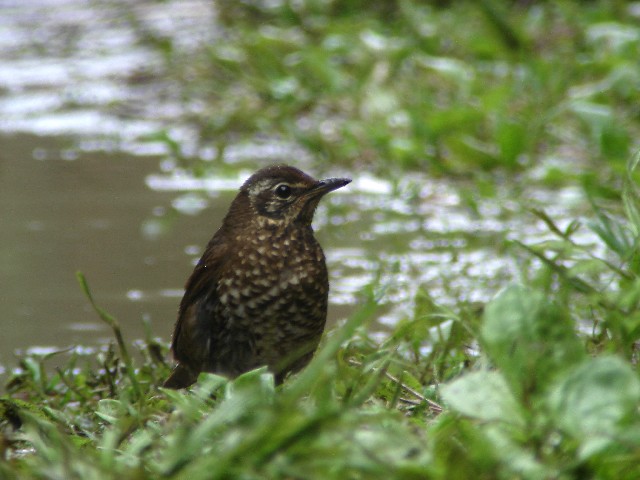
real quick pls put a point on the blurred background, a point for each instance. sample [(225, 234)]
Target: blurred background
[(127, 126)]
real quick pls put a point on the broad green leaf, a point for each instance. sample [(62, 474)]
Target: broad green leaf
[(596, 401), (520, 461), (483, 395), (529, 339), (259, 381)]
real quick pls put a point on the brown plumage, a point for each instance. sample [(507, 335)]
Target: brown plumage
[(258, 296)]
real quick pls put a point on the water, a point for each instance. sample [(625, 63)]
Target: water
[(60, 216), (82, 188), (77, 94)]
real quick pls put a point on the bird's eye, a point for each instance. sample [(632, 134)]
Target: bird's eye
[(283, 191)]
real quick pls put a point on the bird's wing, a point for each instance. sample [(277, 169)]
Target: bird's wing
[(192, 332)]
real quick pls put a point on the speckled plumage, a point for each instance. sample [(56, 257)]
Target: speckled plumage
[(258, 296)]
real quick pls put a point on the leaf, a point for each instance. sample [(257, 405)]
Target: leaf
[(611, 231), (110, 410), (631, 195), (529, 338), (484, 396), (596, 401)]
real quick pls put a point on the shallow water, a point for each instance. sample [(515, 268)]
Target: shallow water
[(81, 189), (77, 93)]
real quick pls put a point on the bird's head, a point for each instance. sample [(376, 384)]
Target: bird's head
[(280, 195)]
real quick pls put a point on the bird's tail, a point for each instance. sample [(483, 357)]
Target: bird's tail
[(181, 377)]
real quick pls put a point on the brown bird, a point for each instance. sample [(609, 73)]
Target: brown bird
[(258, 296)]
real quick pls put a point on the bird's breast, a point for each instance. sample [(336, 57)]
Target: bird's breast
[(275, 278)]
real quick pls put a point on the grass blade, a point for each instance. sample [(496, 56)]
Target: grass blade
[(115, 327)]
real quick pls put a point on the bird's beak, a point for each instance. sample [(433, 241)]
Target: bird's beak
[(328, 185)]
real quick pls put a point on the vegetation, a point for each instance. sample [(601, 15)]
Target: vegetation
[(540, 383), (391, 85)]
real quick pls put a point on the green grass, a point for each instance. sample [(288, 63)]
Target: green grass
[(540, 401), (455, 88), (540, 383)]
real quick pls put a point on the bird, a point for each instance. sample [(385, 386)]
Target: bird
[(258, 295)]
